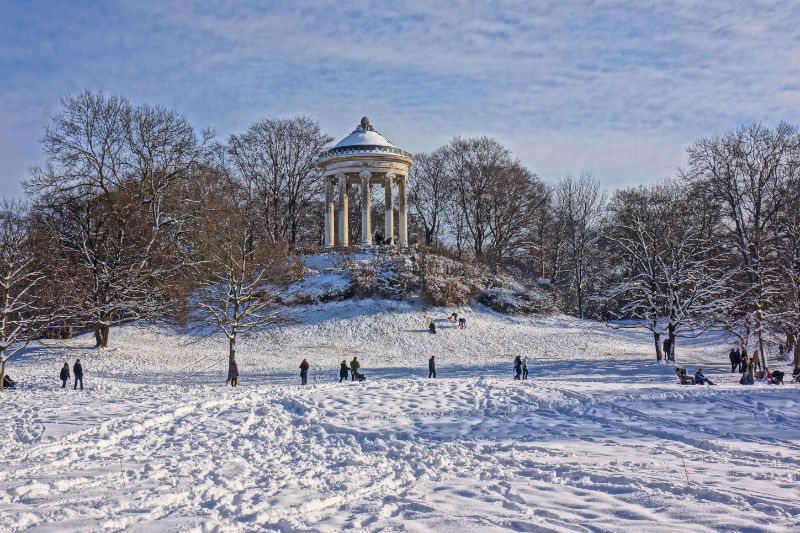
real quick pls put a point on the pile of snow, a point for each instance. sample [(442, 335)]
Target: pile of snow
[(596, 440)]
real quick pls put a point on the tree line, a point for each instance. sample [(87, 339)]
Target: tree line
[(138, 216)]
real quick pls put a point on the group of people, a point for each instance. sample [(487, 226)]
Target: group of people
[(355, 365), (521, 367), (741, 361), (77, 371), (698, 379)]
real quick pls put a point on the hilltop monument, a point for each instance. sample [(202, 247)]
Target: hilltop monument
[(364, 157)]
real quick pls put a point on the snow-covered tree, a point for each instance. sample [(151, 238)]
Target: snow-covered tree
[(748, 172), (21, 313), (666, 247)]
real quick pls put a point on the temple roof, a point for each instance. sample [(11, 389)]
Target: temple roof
[(364, 140)]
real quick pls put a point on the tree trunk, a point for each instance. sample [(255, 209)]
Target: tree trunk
[(657, 340), (232, 351), (2, 371), (764, 364), (671, 338), (101, 332), (796, 353)]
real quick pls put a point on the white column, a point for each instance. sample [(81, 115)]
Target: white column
[(366, 226), (328, 212), (344, 230), (389, 213), (402, 208)]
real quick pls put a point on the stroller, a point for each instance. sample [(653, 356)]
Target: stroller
[(360, 376), (9, 383), (683, 379), (777, 378)]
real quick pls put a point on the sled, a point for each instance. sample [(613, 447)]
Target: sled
[(360, 376)]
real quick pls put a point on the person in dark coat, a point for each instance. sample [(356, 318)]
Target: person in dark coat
[(304, 372), (735, 358), (432, 327), (233, 374), (517, 367), (453, 316), (77, 370), (343, 371), (64, 375), (432, 367), (462, 323), (354, 366)]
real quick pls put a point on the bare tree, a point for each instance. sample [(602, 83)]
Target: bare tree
[(237, 281), (747, 171), (579, 205), (21, 315), (430, 192), (114, 185), (277, 160)]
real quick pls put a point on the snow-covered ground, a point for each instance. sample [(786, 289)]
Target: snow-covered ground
[(595, 441)]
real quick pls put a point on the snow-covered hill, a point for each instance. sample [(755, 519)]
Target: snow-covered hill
[(596, 441)]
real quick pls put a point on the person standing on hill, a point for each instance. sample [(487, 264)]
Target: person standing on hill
[(517, 367), (77, 370), (233, 374), (304, 372), (354, 366), (432, 327), (525, 367), (432, 367), (64, 375), (343, 371)]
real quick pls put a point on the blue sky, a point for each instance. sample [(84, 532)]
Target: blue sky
[(618, 89)]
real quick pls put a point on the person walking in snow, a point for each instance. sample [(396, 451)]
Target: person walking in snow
[(77, 370), (525, 367), (233, 374), (453, 316), (304, 372), (64, 375), (517, 367), (462, 323), (354, 366), (432, 367), (432, 327), (343, 371)]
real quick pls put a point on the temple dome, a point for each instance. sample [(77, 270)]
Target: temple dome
[(364, 140)]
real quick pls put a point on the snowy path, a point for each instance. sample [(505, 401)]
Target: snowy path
[(572, 451)]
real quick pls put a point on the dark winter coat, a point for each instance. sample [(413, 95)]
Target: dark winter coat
[(518, 363), (233, 371), (303, 368), (77, 369), (432, 364), (343, 371), (64, 373)]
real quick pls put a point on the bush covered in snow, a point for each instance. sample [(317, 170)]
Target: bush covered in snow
[(433, 279)]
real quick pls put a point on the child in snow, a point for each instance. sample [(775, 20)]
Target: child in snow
[(233, 374), (354, 366), (525, 367), (77, 370), (462, 323), (700, 379), (453, 316), (517, 367), (432, 367), (432, 327), (304, 372), (343, 371), (64, 375)]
